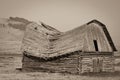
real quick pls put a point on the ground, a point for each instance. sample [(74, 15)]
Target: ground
[(10, 66)]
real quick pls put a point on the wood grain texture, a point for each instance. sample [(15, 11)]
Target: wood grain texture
[(66, 64), (40, 41), (73, 51)]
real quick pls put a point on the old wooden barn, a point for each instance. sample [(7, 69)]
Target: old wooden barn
[(87, 48)]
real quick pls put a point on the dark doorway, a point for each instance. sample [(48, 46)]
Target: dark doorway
[(95, 45)]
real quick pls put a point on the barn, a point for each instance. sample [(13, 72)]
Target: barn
[(87, 48)]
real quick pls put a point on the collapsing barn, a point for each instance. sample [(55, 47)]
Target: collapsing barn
[(88, 48)]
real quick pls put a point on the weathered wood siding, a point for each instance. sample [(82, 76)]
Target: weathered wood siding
[(95, 32), (74, 63), (108, 64), (66, 64), (97, 64)]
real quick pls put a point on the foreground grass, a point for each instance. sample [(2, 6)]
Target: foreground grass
[(55, 76)]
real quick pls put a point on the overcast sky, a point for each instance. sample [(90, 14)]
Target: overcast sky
[(65, 15)]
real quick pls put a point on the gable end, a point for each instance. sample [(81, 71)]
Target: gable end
[(106, 33)]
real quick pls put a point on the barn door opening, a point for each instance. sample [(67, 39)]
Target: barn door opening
[(95, 45), (97, 64)]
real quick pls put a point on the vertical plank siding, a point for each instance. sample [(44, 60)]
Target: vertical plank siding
[(97, 64), (95, 32)]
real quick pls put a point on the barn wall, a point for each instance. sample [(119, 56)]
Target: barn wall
[(95, 32), (91, 64), (72, 64), (66, 64)]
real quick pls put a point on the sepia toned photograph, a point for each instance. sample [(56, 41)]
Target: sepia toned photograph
[(59, 40)]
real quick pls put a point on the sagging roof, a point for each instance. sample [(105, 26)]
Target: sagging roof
[(63, 44)]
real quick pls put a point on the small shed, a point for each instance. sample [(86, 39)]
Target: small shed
[(87, 48)]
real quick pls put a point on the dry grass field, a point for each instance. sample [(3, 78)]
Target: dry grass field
[(10, 66)]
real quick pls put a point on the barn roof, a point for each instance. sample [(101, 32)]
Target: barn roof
[(68, 42)]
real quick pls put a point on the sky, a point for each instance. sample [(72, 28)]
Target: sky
[(65, 15)]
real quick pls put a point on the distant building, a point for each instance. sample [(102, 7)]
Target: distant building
[(88, 48)]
